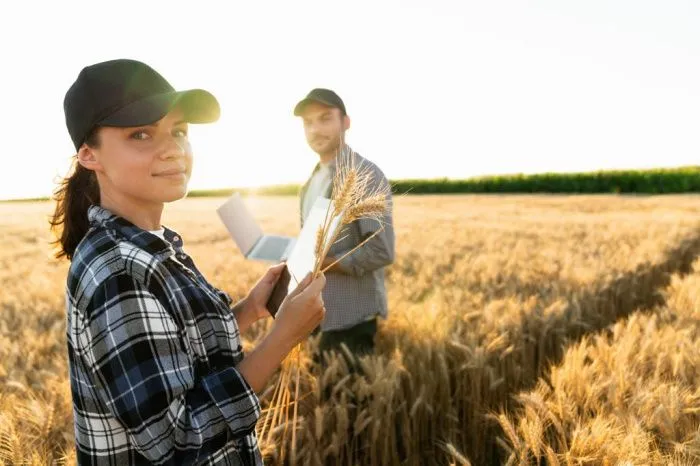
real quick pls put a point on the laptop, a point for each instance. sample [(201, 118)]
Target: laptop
[(253, 243)]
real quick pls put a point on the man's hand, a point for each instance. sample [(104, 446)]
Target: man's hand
[(327, 263)]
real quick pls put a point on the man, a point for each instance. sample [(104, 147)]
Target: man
[(355, 293)]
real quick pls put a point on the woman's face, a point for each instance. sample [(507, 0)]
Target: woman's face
[(147, 164)]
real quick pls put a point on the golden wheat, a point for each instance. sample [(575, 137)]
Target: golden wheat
[(483, 296), (354, 198), (629, 395)]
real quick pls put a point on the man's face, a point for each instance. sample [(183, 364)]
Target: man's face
[(324, 128)]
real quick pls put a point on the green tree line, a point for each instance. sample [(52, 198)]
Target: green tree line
[(658, 181)]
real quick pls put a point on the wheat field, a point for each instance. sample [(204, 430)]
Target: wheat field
[(522, 330), (631, 393)]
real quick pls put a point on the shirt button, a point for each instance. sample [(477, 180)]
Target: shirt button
[(182, 256), (176, 238)]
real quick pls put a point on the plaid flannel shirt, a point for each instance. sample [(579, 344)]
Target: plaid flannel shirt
[(153, 349), (355, 292)]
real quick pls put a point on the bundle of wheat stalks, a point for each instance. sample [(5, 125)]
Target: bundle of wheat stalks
[(356, 195)]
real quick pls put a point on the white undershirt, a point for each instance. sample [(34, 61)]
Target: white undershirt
[(318, 186), (159, 233)]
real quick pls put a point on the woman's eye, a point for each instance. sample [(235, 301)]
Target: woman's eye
[(180, 133), (140, 135)]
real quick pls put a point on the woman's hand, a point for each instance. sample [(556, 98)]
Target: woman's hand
[(299, 314), (254, 306), (258, 296)]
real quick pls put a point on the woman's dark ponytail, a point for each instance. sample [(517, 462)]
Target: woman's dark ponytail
[(74, 196)]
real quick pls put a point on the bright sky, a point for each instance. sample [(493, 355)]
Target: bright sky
[(435, 88)]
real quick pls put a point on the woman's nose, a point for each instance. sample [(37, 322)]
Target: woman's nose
[(174, 147)]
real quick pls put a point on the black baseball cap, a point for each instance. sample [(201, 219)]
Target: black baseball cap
[(127, 93), (322, 96)]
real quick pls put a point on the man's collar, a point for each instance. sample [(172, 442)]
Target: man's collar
[(346, 151)]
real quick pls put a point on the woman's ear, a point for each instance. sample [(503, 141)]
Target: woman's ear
[(346, 123), (88, 159)]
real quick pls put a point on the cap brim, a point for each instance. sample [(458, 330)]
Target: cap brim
[(299, 108), (198, 106)]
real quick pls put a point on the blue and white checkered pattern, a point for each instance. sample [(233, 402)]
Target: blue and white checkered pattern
[(153, 349)]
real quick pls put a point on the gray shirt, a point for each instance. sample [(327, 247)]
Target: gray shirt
[(357, 291)]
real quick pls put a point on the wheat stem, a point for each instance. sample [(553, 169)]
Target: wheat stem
[(286, 401), (296, 405), (271, 408), (353, 249)]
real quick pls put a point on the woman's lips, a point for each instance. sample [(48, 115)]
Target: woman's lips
[(171, 172)]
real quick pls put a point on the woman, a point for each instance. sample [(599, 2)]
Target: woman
[(157, 370)]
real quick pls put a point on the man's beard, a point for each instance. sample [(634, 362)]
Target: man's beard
[(329, 146)]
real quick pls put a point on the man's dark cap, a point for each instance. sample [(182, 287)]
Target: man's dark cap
[(321, 96)]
